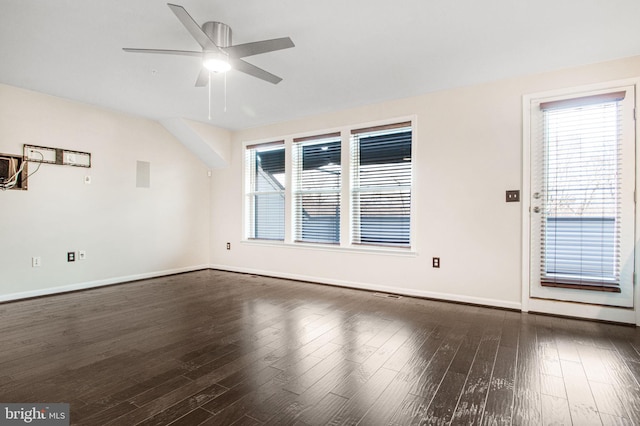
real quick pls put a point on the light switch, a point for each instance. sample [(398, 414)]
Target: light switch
[(513, 196)]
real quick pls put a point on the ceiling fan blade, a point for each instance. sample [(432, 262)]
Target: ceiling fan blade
[(254, 71), (193, 27), (203, 78), (164, 51), (258, 47)]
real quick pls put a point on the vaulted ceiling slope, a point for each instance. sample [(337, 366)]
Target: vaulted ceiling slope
[(348, 53)]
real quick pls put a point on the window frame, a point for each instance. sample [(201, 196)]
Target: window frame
[(346, 244), (371, 186), (250, 191), (298, 192)]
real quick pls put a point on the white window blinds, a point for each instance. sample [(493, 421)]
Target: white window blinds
[(317, 182), (381, 168), (581, 222), (265, 190)]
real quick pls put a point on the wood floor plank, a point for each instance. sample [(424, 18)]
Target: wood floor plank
[(340, 373), (194, 417), (270, 407), (429, 381), (243, 421), (411, 410), (609, 420), (552, 386), (441, 408), (471, 402), (324, 411), (408, 351), (304, 381), (104, 416), (239, 409), (184, 407), (499, 403), (577, 387), (156, 392), (555, 411), (389, 403), (241, 389), (358, 405), (607, 400), (527, 407)]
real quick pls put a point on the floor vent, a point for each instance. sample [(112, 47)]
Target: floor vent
[(387, 295)]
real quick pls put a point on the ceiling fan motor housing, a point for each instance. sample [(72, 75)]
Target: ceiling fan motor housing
[(219, 33)]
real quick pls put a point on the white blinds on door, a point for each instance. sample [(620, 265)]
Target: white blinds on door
[(581, 203)]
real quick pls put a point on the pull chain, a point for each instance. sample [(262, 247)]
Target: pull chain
[(225, 92), (210, 89)]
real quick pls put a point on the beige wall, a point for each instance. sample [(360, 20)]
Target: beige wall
[(127, 232), (469, 151)]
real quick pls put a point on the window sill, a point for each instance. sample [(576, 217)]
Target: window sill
[(376, 250)]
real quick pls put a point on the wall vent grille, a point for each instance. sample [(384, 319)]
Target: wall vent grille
[(387, 295)]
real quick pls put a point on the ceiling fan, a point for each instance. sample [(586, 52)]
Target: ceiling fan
[(218, 54)]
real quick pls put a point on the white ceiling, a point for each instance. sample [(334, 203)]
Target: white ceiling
[(348, 52)]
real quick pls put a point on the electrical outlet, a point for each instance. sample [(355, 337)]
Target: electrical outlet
[(228, 246), (71, 256), (82, 254), (36, 262), (436, 262)]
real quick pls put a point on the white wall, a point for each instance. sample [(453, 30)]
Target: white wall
[(127, 232), (469, 151)]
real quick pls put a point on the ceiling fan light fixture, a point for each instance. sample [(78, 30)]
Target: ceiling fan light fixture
[(215, 39), (216, 62)]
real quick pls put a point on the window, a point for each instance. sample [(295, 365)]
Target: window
[(317, 177), (381, 185), (348, 188), (265, 180)]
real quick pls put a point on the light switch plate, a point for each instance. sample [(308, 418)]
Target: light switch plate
[(513, 196)]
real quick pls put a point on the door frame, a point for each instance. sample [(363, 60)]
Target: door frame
[(573, 309)]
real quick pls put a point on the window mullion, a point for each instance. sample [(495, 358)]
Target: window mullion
[(345, 194), (288, 191)]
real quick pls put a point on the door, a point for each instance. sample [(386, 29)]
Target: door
[(582, 204)]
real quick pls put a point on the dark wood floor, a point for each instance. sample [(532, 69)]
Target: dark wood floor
[(218, 348)]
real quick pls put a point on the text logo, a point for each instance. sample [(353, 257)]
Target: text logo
[(34, 414)]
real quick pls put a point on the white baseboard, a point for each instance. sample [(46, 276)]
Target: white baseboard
[(534, 305), (385, 289), (98, 283)]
